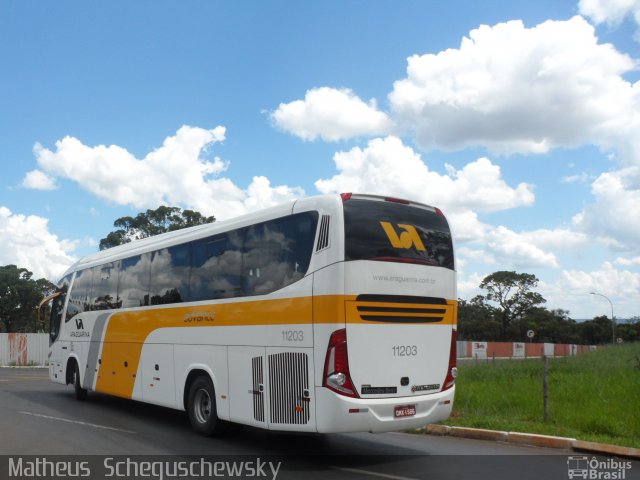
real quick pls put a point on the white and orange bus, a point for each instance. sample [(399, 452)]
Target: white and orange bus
[(328, 314)]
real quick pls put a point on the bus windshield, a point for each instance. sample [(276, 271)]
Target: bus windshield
[(396, 232)]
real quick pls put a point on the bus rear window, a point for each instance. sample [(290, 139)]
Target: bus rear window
[(393, 232)]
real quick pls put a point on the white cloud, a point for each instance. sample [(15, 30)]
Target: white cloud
[(518, 250), (628, 261), (38, 180), (466, 226), (615, 214), (175, 174), (468, 286), (387, 166), (488, 245), (622, 287), (612, 12), (558, 239), (332, 115), (25, 241), (578, 178), (516, 89), (260, 194), (502, 246)]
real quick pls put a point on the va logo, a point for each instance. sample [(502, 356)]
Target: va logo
[(79, 324), (408, 237)]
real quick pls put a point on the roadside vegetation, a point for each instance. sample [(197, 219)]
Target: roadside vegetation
[(594, 396)]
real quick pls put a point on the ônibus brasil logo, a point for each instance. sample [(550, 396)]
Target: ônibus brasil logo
[(597, 469)]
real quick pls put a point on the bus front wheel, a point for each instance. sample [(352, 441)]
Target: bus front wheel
[(201, 408), (81, 393)]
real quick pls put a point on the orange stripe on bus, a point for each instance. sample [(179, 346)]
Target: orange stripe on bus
[(127, 331)]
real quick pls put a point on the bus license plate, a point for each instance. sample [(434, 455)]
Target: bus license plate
[(405, 411)]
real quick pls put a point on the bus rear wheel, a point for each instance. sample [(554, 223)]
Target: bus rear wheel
[(81, 393), (201, 408)]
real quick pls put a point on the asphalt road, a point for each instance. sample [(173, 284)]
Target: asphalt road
[(42, 421)]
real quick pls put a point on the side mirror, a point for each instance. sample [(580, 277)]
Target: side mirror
[(42, 310)]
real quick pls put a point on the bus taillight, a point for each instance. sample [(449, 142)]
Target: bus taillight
[(402, 201), (452, 371), (336, 366)]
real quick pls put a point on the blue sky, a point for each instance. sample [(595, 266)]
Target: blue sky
[(521, 120)]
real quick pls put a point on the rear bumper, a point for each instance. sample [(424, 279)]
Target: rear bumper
[(333, 413)]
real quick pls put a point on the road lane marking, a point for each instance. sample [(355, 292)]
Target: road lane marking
[(24, 377), (77, 422), (375, 474)]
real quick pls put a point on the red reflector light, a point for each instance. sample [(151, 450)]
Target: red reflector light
[(346, 196), (396, 200), (439, 212)]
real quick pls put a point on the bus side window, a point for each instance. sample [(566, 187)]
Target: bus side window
[(170, 268), (251, 259), (133, 281), (215, 268), (80, 294), (56, 318), (56, 310), (277, 253), (105, 285)]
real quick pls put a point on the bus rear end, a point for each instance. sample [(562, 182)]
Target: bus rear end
[(392, 365)]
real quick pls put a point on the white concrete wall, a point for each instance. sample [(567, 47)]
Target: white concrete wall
[(23, 349)]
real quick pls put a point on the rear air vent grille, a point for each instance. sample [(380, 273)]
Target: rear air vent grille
[(289, 388), (323, 235), (401, 308)]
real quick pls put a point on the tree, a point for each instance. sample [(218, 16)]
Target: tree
[(152, 222), (477, 320), (596, 331), (513, 293), (552, 326), (20, 295), (629, 331)]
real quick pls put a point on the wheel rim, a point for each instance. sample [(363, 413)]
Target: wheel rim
[(202, 406)]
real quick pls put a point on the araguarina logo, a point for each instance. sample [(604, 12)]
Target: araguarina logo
[(407, 239)]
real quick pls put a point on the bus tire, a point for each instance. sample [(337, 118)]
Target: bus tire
[(201, 408), (81, 393)]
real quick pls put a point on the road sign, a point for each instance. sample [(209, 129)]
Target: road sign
[(530, 334)]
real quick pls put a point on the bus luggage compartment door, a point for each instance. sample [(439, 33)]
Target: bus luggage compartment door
[(247, 385)]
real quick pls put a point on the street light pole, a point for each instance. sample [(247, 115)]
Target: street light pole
[(613, 322)]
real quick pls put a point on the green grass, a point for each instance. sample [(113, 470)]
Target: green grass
[(593, 396)]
